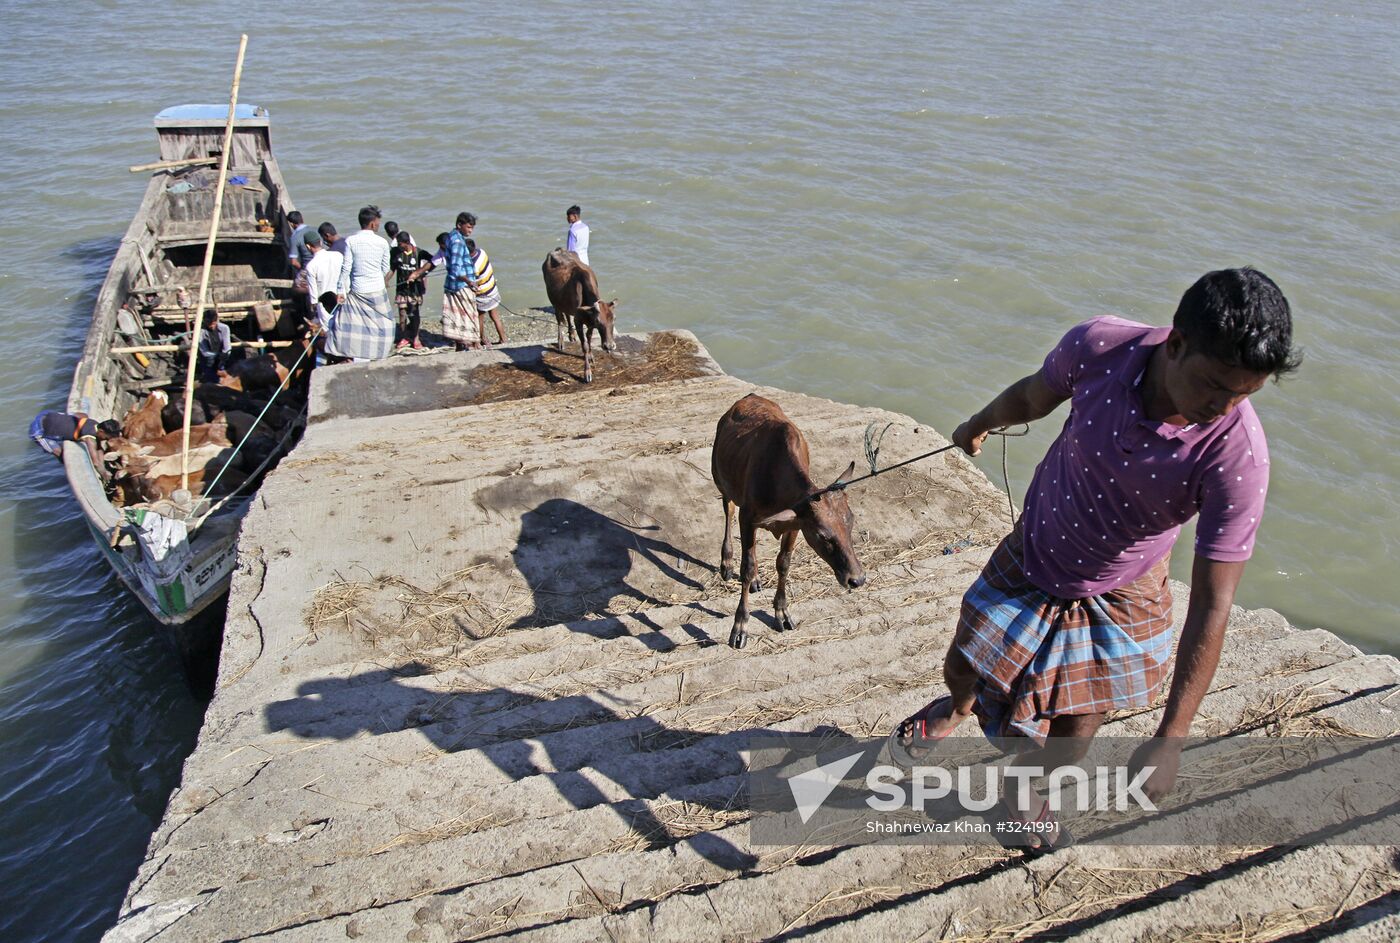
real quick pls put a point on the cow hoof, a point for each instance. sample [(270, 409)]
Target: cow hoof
[(786, 623), (726, 571), (738, 638), (756, 586)]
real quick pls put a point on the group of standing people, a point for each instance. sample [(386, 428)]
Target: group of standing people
[(343, 284)]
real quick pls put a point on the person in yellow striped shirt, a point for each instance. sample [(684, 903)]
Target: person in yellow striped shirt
[(488, 296)]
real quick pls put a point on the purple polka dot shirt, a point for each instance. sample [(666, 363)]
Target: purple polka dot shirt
[(1111, 494)]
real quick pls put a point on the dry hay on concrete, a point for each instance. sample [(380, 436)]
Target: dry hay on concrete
[(455, 827), (661, 358), (665, 823), (1296, 712)]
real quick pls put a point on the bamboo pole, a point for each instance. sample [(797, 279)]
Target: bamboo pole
[(208, 265), (172, 348)]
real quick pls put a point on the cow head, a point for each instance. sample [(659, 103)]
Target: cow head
[(826, 523), (604, 312)]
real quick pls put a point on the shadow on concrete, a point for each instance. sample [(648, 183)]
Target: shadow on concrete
[(576, 560), (510, 728)]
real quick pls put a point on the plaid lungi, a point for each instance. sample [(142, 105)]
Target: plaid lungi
[(459, 316), (1039, 657), (361, 327)]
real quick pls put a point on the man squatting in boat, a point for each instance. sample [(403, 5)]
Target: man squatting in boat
[(1072, 615)]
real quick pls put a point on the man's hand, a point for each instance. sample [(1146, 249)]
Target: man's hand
[(964, 439), (1164, 754)]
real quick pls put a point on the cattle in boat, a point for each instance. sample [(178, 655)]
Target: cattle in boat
[(142, 423), (761, 465), (573, 291), (254, 374)]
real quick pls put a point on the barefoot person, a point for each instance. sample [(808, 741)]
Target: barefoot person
[(459, 315), (488, 295), (1072, 615)]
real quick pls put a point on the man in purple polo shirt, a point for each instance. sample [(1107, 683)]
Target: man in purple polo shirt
[(1071, 617)]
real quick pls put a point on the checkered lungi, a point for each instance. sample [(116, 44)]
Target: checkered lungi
[(1039, 657), (362, 327), (459, 316)]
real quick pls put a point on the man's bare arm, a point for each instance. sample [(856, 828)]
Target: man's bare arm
[(1028, 399), (1213, 585)]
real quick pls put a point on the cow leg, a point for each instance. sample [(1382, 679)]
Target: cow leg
[(583, 342), (559, 322), (780, 610), (726, 552), (748, 567)]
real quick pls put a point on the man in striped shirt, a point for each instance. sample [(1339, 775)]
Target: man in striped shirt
[(488, 296)]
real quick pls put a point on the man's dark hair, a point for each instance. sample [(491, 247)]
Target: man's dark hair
[(403, 238), (1239, 317), (442, 239), (471, 246), (327, 232), (465, 217), (295, 218), (210, 315), (110, 428), (391, 229), (573, 211), (369, 214)]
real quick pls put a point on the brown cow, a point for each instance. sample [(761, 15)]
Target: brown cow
[(143, 423), (209, 433), (573, 291), (760, 464)]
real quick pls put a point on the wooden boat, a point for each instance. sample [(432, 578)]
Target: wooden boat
[(145, 301)]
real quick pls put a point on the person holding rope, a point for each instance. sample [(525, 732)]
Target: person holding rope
[(459, 316), (488, 296), (1072, 615), (405, 258)]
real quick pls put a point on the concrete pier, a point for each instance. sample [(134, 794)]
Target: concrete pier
[(474, 684)]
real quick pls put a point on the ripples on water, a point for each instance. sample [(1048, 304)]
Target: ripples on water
[(895, 206)]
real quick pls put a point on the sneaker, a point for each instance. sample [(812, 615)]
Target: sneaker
[(401, 345), (417, 344)]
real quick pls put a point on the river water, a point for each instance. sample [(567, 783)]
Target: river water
[(896, 205)]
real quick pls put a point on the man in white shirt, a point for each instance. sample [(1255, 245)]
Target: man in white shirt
[(577, 239), (363, 327), (322, 275)]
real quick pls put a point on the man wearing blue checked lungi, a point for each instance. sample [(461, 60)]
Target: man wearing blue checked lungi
[(362, 327)]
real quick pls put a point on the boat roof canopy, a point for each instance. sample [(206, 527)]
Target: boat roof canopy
[(198, 116)]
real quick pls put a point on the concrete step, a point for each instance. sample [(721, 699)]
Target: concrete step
[(358, 831), (506, 740), (595, 653), (676, 896)]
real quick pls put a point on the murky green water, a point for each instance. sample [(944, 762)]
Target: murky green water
[(900, 207)]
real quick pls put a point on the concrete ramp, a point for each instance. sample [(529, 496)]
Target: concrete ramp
[(474, 684)]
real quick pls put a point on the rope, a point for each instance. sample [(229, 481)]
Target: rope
[(528, 317), (872, 452), (209, 488)]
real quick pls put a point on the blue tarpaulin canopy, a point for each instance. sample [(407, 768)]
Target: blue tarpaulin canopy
[(209, 113)]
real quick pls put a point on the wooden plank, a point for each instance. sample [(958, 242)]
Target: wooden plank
[(172, 164)]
